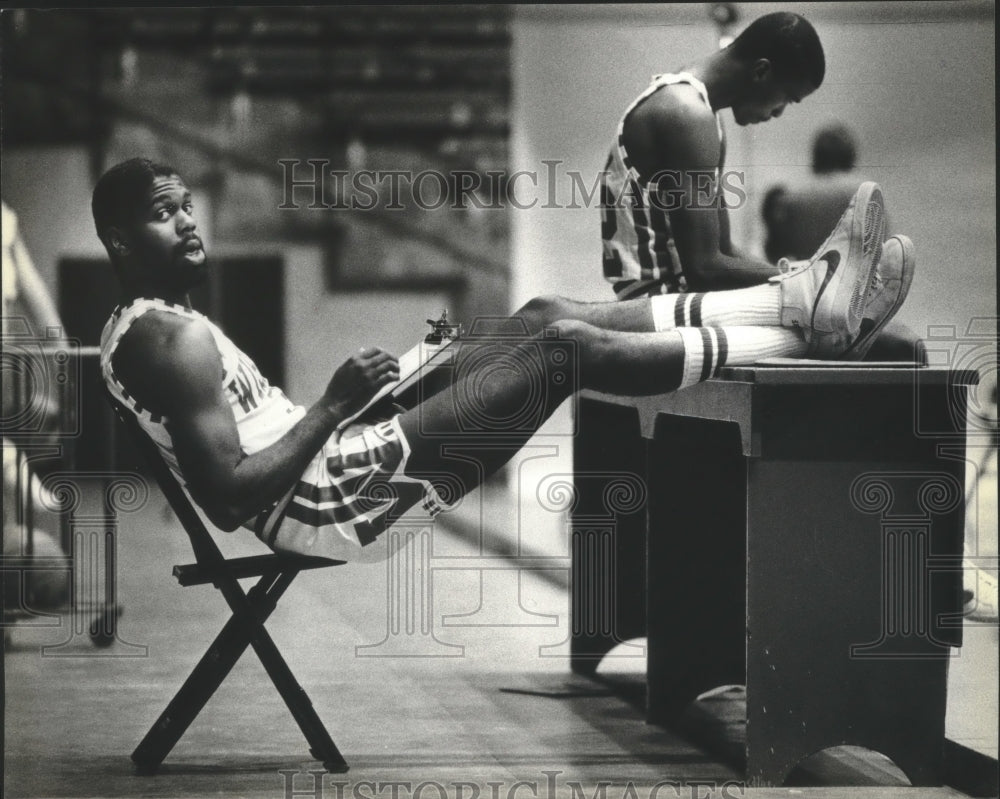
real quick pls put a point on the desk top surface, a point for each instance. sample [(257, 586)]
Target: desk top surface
[(734, 394), (791, 371)]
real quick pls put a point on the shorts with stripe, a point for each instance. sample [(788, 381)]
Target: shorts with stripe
[(349, 495)]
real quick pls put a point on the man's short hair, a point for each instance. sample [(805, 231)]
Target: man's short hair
[(121, 191), (788, 41), (834, 150)]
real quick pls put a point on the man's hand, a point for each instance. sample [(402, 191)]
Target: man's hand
[(358, 379)]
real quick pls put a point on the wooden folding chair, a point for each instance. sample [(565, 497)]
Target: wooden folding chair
[(245, 627)]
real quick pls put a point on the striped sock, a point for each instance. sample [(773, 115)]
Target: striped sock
[(708, 349), (759, 305)]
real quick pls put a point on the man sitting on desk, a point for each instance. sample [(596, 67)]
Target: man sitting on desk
[(306, 483), (664, 221)]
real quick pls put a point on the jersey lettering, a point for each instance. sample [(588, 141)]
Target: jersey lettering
[(248, 384), (638, 242)]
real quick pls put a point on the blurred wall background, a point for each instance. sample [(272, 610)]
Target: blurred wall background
[(225, 93)]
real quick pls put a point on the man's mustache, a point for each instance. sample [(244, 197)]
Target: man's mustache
[(185, 245)]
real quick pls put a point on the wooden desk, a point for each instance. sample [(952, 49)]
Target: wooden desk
[(801, 534)]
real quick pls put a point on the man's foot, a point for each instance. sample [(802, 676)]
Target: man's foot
[(826, 298), (980, 594), (889, 287)]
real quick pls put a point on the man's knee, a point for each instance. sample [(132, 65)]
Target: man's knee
[(590, 344), (544, 311), (573, 329)]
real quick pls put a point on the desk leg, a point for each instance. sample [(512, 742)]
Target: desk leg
[(844, 606), (608, 548), (697, 562)]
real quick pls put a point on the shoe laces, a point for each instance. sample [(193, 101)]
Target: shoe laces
[(787, 267), (876, 282)]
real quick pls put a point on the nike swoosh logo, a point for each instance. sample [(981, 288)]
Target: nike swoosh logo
[(832, 258)]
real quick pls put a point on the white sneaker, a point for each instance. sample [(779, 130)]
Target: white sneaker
[(889, 287), (981, 594), (827, 297)]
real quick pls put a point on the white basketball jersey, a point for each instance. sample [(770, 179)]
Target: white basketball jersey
[(640, 257), (263, 413)]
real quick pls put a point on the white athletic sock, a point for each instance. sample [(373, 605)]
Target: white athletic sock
[(759, 306), (708, 349), (697, 349), (747, 345)]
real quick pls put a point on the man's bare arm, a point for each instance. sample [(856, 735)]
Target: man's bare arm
[(676, 145), (725, 238), (725, 231), (173, 367)]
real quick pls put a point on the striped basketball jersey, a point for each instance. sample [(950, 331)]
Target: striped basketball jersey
[(263, 413), (352, 490), (640, 257)]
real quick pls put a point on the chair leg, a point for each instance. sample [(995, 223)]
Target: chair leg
[(239, 632), (199, 687), (321, 745)]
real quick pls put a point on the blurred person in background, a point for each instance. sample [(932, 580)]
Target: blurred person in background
[(29, 314), (797, 216), (980, 565)]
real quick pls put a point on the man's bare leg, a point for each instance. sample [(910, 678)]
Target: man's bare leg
[(757, 306), (503, 392)]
